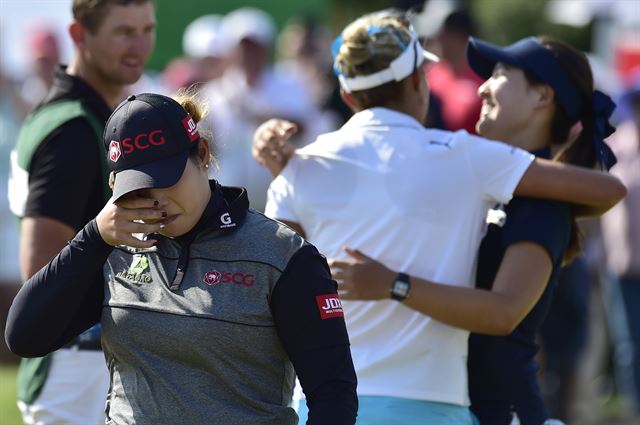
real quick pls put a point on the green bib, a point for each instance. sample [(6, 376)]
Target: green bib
[(33, 372)]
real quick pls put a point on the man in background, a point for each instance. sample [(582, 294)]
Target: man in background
[(621, 237), (43, 49), (249, 92), (451, 80), (60, 140)]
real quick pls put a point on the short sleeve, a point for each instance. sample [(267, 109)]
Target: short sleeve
[(497, 166), (546, 223), (64, 174), (280, 196)]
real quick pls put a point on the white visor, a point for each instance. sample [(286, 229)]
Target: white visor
[(401, 67)]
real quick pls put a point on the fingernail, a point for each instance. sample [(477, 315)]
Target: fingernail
[(156, 203)]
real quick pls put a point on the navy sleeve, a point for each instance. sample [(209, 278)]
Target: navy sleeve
[(62, 300), (546, 223), (310, 322), (64, 174)]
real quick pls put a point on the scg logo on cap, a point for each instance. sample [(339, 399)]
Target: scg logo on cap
[(114, 151), (143, 141)]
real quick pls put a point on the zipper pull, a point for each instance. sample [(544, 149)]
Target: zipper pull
[(177, 280)]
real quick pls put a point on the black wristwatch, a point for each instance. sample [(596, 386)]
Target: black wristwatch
[(400, 287)]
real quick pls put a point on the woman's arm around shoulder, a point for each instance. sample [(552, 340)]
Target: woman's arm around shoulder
[(310, 322), (594, 192)]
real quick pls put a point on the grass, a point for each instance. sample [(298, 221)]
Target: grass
[(9, 414)]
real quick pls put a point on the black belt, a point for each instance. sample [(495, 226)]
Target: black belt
[(90, 345)]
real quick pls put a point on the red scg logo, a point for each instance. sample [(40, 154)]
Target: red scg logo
[(142, 141), (214, 276)]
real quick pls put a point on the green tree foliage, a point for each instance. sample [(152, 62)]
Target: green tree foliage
[(174, 16), (505, 21)]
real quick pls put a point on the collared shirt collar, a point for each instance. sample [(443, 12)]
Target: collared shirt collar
[(225, 211), (382, 117), (72, 87)]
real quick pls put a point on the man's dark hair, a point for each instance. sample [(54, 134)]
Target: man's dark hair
[(459, 21), (90, 13)]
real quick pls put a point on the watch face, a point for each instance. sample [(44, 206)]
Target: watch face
[(401, 288)]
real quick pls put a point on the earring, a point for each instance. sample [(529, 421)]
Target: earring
[(206, 165)]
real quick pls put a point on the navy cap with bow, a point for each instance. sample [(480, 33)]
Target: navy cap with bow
[(531, 55), (603, 107)]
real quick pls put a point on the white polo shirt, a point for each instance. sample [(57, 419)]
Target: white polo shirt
[(416, 200)]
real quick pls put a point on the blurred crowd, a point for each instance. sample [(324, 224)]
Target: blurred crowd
[(591, 341)]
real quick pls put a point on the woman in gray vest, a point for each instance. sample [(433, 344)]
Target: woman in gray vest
[(208, 308)]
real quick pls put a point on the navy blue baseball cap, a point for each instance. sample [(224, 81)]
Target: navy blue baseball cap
[(531, 55), (148, 139)]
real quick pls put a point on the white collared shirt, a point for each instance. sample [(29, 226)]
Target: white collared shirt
[(416, 200)]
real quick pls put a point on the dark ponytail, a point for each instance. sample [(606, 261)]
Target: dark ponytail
[(575, 64), (581, 151)]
